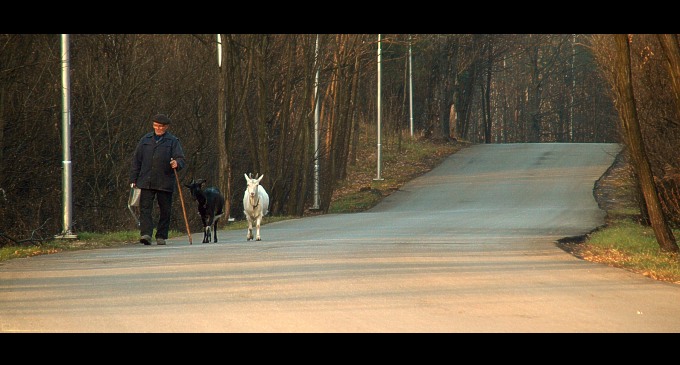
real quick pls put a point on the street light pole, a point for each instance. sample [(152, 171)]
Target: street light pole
[(67, 233), (410, 84), (316, 126), (379, 76)]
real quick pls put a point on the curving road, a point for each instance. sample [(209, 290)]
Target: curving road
[(468, 247)]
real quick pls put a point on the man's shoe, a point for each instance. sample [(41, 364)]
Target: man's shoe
[(146, 239), (160, 241)]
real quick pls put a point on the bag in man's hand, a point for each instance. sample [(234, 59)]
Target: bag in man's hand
[(133, 201)]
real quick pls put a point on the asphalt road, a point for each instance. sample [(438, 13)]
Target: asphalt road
[(468, 247)]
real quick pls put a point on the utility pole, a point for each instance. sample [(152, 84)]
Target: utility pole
[(67, 233), (410, 84), (316, 127), (378, 178)]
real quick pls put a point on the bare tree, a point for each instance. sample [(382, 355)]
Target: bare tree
[(671, 50), (235, 75), (623, 86)]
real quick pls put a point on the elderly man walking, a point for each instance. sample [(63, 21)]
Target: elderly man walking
[(157, 154)]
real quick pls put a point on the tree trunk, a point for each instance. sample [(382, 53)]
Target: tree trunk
[(236, 73), (466, 101), (629, 119), (486, 94), (671, 50)]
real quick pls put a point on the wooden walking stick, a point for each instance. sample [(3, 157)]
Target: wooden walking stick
[(181, 198)]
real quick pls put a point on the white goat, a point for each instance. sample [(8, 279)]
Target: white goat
[(255, 204)]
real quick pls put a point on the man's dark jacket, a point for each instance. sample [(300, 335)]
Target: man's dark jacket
[(151, 162)]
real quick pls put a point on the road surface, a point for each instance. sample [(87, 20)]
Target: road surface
[(468, 247)]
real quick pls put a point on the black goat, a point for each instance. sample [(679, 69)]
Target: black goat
[(210, 207)]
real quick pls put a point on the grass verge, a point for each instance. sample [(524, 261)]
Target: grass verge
[(628, 245)]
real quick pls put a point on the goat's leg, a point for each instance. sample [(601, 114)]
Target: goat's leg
[(206, 234), (249, 235), (206, 228), (215, 220), (259, 219)]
